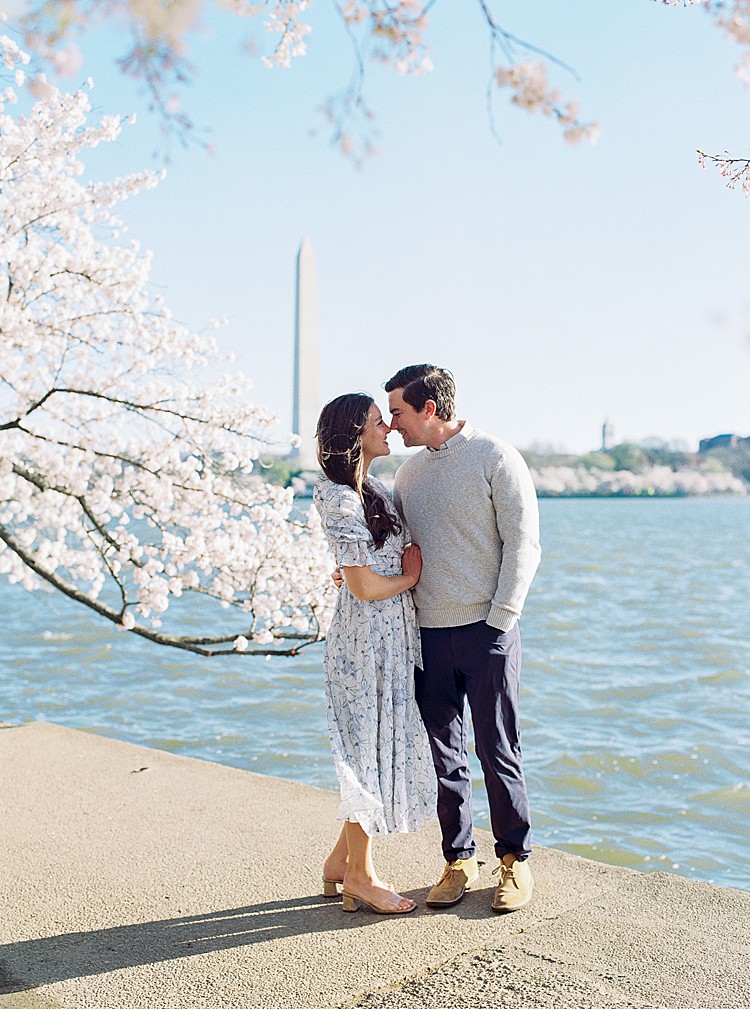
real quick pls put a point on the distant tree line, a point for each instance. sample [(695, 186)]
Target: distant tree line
[(628, 457)]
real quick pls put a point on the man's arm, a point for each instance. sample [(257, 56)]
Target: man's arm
[(517, 515)]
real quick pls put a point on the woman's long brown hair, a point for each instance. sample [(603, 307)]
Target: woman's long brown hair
[(339, 436)]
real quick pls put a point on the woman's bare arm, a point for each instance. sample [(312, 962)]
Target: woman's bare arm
[(365, 584)]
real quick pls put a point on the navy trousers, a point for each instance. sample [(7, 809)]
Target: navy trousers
[(482, 665)]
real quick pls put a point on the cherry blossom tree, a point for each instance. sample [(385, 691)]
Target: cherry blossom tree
[(395, 32), (128, 479), (389, 31)]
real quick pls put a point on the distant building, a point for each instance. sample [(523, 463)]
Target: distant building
[(721, 441), (608, 433)]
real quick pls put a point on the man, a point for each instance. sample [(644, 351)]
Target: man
[(470, 505)]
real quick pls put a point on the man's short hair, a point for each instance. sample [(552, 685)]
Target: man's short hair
[(421, 382)]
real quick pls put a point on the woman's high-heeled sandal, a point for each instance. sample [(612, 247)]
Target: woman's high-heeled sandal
[(331, 887), (353, 903)]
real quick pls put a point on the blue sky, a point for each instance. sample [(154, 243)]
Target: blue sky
[(560, 285)]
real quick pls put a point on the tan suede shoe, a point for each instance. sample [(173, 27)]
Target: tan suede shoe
[(516, 884), (456, 879)]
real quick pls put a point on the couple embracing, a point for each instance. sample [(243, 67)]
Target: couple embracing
[(434, 582)]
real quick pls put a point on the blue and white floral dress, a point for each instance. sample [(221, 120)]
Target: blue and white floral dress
[(379, 743)]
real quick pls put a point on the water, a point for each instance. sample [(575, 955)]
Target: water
[(636, 687)]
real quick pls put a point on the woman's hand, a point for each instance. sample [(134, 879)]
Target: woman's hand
[(337, 578), (411, 563)]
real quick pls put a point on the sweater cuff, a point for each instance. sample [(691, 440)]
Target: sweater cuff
[(501, 619)]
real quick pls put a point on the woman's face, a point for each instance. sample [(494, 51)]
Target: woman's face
[(374, 435)]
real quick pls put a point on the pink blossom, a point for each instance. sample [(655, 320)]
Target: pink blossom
[(68, 61)]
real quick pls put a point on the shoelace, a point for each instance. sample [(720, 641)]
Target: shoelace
[(447, 871), (506, 872), (449, 868)]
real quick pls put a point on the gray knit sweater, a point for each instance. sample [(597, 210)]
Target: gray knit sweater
[(471, 508)]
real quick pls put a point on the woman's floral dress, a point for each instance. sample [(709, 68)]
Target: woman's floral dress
[(379, 743)]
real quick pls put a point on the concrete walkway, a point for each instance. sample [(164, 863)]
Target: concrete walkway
[(135, 879)]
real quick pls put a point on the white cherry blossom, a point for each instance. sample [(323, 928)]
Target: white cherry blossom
[(126, 481), (531, 90)]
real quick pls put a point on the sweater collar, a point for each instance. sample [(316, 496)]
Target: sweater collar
[(455, 440)]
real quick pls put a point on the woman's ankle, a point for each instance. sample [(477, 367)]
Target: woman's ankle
[(361, 877), (334, 868)]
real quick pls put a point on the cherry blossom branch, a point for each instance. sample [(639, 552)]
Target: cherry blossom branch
[(130, 461), (528, 82), (735, 170), (114, 456), (188, 644), (149, 63), (9, 425), (44, 485), (508, 41), (346, 110), (532, 91), (144, 409), (391, 31)]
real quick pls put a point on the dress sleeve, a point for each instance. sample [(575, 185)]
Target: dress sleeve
[(345, 527)]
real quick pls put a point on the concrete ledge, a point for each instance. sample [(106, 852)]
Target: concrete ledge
[(135, 878)]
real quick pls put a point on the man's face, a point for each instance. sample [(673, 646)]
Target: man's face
[(411, 425)]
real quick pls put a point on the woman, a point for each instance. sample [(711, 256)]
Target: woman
[(379, 744)]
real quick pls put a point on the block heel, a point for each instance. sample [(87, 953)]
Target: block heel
[(330, 887), (349, 903)]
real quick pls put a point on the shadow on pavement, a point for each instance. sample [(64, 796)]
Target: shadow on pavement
[(35, 962)]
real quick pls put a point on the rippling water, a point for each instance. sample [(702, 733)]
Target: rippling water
[(636, 687)]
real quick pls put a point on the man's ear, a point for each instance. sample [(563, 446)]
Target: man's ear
[(430, 409)]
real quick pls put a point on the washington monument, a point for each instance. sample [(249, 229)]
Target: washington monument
[(306, 403)]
